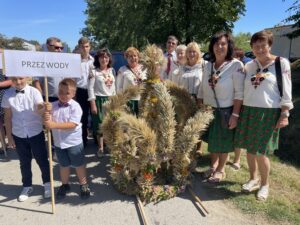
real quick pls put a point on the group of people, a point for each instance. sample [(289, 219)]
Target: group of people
[(251, 103)]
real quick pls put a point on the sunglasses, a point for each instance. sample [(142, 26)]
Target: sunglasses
[(57, 47)]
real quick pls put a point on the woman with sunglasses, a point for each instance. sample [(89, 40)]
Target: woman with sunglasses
[(267, 101), (101, 85), (222, 88)]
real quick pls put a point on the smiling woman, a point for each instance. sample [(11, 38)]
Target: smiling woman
[(222, 88)]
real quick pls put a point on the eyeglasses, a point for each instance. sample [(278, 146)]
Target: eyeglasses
[(57, 47)]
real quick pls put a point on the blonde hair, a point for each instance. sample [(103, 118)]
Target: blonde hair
[(131, 50), (180, 48), (194, 46)]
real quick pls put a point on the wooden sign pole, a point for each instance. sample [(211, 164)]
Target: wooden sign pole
[(50, 151)]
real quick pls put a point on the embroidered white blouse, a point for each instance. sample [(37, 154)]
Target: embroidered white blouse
[(101, 83), (190, 77), (263, 91), (126, 78), (229, 86)]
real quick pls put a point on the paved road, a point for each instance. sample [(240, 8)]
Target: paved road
[(106, 206)]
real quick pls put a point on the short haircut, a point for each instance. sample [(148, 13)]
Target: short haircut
[(173, 37), (131, 50), (194, 46), (52, 39), (262, 36), (180, 48), (68, 82), (83, 40), (102, 52), (215, 38)]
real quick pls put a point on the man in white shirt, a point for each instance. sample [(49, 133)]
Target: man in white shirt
[(87, 62), (170, 56)]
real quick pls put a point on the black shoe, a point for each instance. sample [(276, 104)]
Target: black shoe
[(85, 191), (62, 191)]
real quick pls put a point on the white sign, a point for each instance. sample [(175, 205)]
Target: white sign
[(41, 64), (0, 60)]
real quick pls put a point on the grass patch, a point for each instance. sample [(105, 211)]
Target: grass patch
[(283, 204)]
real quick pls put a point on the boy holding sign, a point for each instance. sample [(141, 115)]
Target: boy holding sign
[(23, 109), (63, 118)]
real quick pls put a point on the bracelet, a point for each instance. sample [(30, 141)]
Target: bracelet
[(235, 115)]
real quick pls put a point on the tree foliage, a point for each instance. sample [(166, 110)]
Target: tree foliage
[(15, 43), (242, 40), (294, 18), (119, 24)]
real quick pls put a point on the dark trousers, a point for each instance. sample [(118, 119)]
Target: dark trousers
[(82, 99), (27, 148)]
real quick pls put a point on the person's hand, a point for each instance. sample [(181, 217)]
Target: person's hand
[(233, 122), (11, 142), (49, 124), (47, 116), (282, 122), (93, 109), (48, 106)]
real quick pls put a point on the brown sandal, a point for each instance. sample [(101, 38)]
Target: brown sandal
[(217, 177)]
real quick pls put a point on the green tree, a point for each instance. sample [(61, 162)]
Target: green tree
[(242, 40), (119, 24), (294, 18)]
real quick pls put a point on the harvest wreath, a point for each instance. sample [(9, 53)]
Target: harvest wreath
[(152, 156)]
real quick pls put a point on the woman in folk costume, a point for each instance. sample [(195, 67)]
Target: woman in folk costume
[(180, 62), (222, 88), (267, 101), (191, 74), (101, 85), (131, 75)]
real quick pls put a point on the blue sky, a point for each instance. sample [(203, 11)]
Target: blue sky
[(40, 19)]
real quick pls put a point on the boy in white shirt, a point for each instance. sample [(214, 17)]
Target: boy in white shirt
[(63, 118), (23, 108)]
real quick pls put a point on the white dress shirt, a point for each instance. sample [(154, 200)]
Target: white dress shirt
[(266, 94), (163, 73), (127, 78), (86, 64), (230, 85), (101, 83), (65, 138), (26, 122)]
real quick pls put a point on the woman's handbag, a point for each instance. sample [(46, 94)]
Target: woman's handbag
[(224, 113)]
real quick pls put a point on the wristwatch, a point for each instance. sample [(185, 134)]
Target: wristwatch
[(285, 114)]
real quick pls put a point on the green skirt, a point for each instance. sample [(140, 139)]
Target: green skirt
[(134, 106), (220, 140), (98, 118), (256, 130)]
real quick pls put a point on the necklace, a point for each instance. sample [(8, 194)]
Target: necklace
[(260, 76), (216, 74)]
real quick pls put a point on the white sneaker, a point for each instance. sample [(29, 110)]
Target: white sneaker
[(263, 193), (25, 193), (47, 190), (251, 185)]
